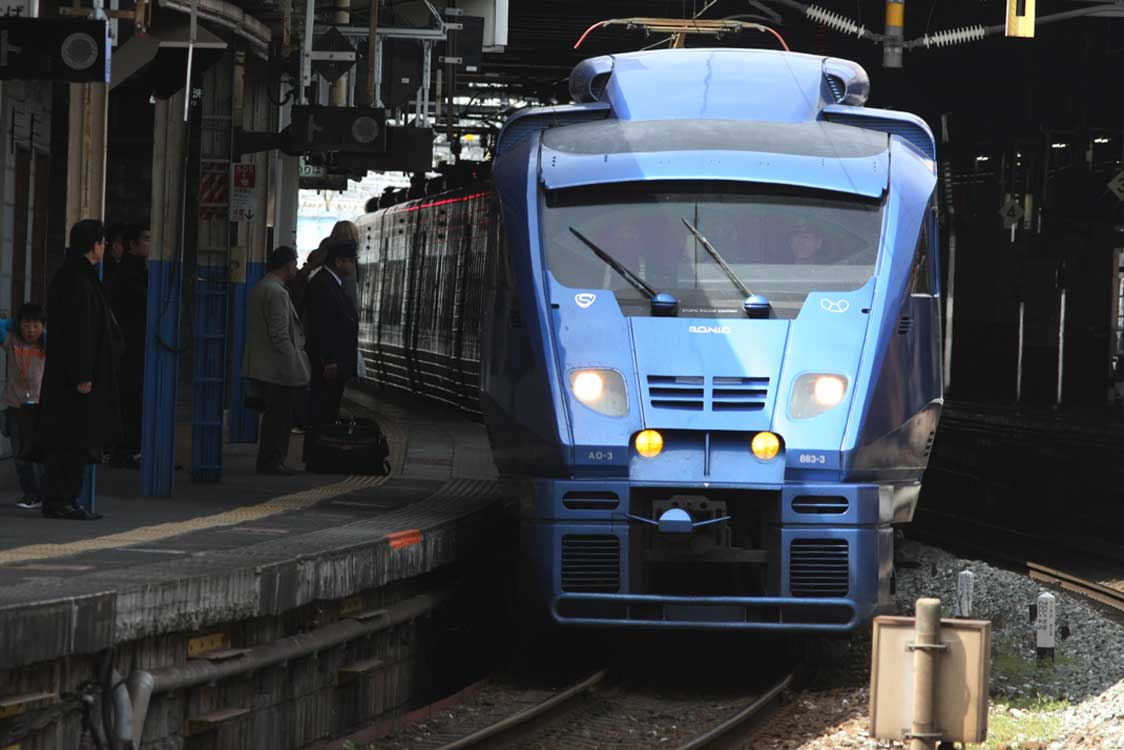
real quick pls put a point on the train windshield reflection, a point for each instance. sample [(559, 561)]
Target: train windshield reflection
[(780, 243)]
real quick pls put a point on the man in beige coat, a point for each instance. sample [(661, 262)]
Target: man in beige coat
[(275, 357)]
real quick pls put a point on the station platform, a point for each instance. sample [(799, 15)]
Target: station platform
[(250, 546)]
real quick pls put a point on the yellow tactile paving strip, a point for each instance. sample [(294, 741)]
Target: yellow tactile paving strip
[(295, 501)]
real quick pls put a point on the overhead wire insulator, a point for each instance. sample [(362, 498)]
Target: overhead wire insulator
[(835, 21), (950, 36)]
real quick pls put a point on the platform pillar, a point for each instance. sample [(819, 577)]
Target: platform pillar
[(165, 291), (214, 242), (252, 111), (85, 187), (86, 152), (286, 194)]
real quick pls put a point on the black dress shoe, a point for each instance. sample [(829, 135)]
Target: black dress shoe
[(280, 470), (77, 513), (50, 511)]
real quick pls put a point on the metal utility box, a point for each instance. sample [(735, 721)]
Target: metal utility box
[(960, 693)]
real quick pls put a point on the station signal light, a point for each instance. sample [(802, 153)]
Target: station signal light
[(346, 129), (1020, 18)]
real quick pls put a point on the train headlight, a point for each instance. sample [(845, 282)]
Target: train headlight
[(600, 390), (815, 393), (765, 445), (649, 443)]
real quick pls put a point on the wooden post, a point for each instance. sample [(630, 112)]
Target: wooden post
[(926, 643)]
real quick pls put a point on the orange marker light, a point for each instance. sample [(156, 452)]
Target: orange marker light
[(408, 538)]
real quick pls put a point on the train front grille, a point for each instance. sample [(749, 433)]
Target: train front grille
[(591, 563), (698, 393), (819, 567)]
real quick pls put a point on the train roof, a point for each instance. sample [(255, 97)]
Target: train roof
[(719, 85)]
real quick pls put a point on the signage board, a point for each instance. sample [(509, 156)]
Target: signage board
[(324, 182), (310, 170), (243, 193), (960, 697), (19, 8)]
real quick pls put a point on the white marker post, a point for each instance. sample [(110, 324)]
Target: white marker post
[(1045, 627), (965, 585)]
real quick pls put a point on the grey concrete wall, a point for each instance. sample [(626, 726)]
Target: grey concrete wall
[(290, 706)]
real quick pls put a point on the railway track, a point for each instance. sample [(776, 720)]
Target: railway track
[(597, 712), (1075, 571), (1070, 582)]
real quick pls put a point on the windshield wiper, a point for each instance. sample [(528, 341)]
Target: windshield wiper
[(718, 258), (638, 283)]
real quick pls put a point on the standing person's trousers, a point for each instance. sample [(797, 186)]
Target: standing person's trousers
[(325, 397), (66, 469), (276, 424)]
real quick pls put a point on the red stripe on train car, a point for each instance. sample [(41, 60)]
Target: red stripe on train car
[(445, 202)]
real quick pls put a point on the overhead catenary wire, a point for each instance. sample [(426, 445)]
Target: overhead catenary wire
[(690, 25)]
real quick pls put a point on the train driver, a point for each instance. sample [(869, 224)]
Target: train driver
[(805, 243)]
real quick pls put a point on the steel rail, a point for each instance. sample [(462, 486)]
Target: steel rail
[(732, 727), (504, 731), (1069, 582)]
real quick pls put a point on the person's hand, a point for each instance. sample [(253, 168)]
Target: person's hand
[(86, 387), (330, 372)]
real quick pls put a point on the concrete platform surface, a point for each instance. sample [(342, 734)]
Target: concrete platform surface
[(249, 546)]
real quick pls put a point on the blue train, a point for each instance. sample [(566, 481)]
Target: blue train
[(698, 309)]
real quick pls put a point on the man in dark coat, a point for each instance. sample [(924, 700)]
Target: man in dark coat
[(333, 332), (80, 411), (128, 296), (114, 251)]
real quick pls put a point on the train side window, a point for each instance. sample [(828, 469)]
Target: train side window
[(920, 276)]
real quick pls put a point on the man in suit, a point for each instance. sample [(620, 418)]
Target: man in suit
[(79, 406), (275, 357), (333, 325)]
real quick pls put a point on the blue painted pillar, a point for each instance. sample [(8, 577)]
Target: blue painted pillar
[(208, 382), (165, 290), (243, 421), (161, 378)]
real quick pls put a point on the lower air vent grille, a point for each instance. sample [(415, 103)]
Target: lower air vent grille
[(905, 325), (591, 564), (827, 505), (819, 567), (586, 500)]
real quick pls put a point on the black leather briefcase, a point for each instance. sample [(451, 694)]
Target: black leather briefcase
[(352, 446)]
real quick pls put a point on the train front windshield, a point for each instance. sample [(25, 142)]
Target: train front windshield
[(781, 243)]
